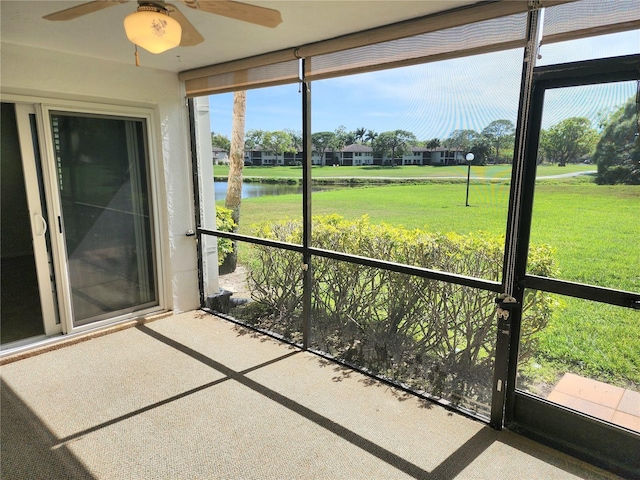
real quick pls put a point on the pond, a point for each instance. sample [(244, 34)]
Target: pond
[(252, 190)]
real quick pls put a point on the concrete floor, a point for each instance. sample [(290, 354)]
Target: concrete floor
[(193, 396)]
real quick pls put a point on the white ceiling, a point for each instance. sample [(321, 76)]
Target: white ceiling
[(101, 34)]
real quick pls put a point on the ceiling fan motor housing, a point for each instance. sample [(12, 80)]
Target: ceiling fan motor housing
[(150, 6)]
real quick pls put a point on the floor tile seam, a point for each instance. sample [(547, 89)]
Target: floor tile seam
[(632, 424), (572, 379), (567, 403), (609, 417), (605, 405), (613, 403), (630, 392)]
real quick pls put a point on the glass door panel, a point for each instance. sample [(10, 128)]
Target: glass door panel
[(585, 357), (106, 219), (29, 306), (21, 310)]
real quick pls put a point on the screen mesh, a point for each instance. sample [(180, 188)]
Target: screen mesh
[(481, 37), (586, 18)]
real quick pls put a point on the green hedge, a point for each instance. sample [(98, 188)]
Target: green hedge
[(224, 223), (429, 334)]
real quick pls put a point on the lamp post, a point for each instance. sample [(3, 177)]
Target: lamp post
[(469, 158)]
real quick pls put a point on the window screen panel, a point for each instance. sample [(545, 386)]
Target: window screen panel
[(586, 18), (481, 37)]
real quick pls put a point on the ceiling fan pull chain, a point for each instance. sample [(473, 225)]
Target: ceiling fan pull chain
[(137, 56)]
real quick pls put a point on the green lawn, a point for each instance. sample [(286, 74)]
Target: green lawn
[(594, 230), (435, 206), (408, 171)]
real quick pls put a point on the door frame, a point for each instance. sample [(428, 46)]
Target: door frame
[(596, 441)]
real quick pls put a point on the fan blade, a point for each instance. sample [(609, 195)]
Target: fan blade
[(84, 9), (190, 36), (266, 17)]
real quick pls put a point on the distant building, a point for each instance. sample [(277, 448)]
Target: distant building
[(358, 155), (417, 156), (446, 156), (220, 156)]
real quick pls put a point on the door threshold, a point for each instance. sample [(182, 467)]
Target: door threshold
[(25, 342), (12, 352)]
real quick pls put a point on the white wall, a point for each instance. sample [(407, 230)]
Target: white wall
[(53, 75)]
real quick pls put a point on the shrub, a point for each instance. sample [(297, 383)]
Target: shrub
[(429, 334), (618, 150), (224, 223)]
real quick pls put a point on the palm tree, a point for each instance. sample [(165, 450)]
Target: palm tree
[(359, 134), (234, 183), (433, 143), (370, 136)]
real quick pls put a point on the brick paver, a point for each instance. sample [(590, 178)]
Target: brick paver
[(598, 399)]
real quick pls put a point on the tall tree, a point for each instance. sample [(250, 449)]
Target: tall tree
[(296, 140), (432, 144), (617, 153), (343, 137), (359, 134), (218, 140), (370, 136), (296, 137), (462, 140), (279, 142), (233, 198), (470, 141), (481, 150), (253, 140), (568, 141), (499, 134), (394, 143), (321, 142)]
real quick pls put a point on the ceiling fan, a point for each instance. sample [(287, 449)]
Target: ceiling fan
[(158, 26)]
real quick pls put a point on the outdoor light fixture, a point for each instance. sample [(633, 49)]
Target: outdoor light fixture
[(469, 159), (153, 29)]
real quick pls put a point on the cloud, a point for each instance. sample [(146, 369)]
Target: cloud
[(431, 99)]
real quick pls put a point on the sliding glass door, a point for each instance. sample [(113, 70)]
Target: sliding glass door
[(79, 244), (103, 183)]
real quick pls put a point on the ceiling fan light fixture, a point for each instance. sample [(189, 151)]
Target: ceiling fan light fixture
[(153, 29)]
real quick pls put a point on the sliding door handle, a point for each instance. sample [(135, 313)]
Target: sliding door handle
[(40, 222)]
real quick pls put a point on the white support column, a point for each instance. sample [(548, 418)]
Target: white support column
[(207, 197)]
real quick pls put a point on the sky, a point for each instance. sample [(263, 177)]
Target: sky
[(431, 100)]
